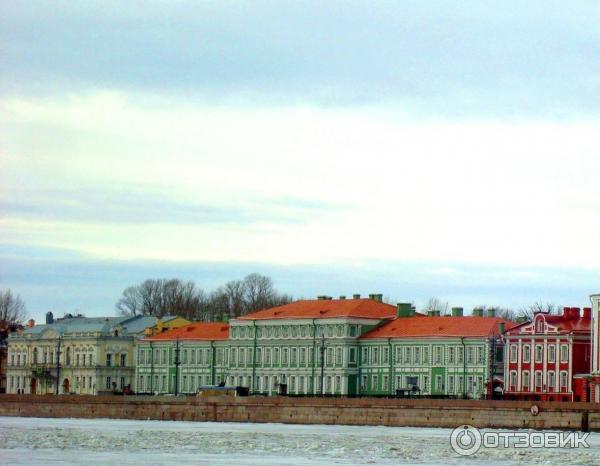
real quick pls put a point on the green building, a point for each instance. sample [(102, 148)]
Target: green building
[(325, 346)]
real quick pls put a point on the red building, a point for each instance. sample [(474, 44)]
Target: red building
[(549, 358)]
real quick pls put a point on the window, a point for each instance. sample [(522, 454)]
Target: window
[(538, 381), (564, 353), (338, 356), (551, 380), (460, 355), (243, 356), (525, 381), (374, 383), (123, 360), (385, 354), (329, 357), (438, 383), (470, 355), (417, 355), (185, 357), (108, 383), (539, 326), (481, 354), (407, 354), (539, 349), (526, 353), (426, 384), (35, 356), (294, 361), (451, 384), (374, 356), (551, 353), (513, 353), (365, 355), (437, 351), (450, 357), (108, 360), (563, 381), (352, 358), (385, 383), (469, 384), (363, 383), (513, 380)]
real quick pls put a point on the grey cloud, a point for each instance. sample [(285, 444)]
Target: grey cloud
[(443, 57), (136, 206)]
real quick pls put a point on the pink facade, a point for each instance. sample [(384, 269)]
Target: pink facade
[(550, 357)]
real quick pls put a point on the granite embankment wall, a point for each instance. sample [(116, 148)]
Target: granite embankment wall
[(356, 411)]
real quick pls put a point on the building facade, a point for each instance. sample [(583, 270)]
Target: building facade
[(181, 360), (332, 347), (75, 355), (595, 366), (549, 358)]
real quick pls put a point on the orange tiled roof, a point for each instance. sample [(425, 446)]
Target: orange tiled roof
[(195, 331), (438, 327), (326, 309)]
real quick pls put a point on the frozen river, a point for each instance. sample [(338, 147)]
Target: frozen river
[(28, 441)]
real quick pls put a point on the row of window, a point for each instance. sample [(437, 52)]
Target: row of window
[(538, 353), (294, 331), (242, 357), (442, 355), (540, 383)]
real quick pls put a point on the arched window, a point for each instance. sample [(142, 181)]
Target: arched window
[(68, 362)]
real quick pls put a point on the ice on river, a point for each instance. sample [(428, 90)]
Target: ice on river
[(27, 441)]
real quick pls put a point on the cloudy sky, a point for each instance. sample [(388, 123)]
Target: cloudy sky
[(411, 148)]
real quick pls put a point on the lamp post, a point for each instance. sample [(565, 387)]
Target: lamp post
[(177, 367), (58, 352), (322, 351)]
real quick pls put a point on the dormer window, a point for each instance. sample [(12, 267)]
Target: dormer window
[(539, 326)]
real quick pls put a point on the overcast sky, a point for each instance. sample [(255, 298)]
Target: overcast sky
[(415, 149)]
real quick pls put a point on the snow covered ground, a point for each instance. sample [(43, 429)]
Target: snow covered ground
[(27, 441)]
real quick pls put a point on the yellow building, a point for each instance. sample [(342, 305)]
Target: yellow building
[(79, 355)]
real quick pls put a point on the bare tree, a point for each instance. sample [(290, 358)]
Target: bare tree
[(175, 297), (162, 297), (436, 304), (538, 306), (12, 308)]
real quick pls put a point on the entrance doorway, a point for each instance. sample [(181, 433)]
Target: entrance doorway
[(66, 386), (33, 385)]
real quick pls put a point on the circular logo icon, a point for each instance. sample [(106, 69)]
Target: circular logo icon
[(466, 440)]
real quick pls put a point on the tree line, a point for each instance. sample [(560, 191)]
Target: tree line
[(160, 297)]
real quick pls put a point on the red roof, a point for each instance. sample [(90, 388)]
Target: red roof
[(326, 309), (195, 331), (435, 327)]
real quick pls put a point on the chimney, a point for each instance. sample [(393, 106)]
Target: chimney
[(342, 297), (430, 313), (356, 296), (31, 323), (575, 313), (49, 318), (457, 311), (477, 312), (491, 312), (501, 328), (404, 310), (522, 319), (587, 313)]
